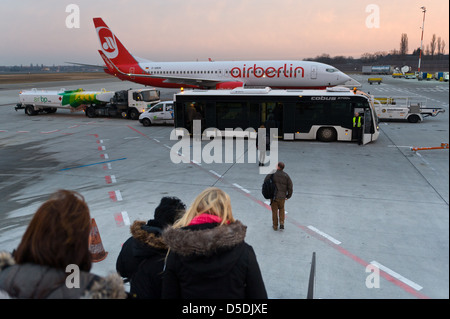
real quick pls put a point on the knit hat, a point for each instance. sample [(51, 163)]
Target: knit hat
[(169, 210)]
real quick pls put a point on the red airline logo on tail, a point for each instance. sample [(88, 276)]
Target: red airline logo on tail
[(112, 47), (108, 42)]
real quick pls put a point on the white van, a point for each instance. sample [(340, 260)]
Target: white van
[(161, 113)]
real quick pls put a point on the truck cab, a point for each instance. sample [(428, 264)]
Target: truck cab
[(131, 103), (161, 113)]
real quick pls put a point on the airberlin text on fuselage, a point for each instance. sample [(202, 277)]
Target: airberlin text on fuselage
[(270, 72)]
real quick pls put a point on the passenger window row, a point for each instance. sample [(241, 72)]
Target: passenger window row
[(188, 72)]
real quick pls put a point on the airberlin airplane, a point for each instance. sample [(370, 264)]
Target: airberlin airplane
[(214, 74)]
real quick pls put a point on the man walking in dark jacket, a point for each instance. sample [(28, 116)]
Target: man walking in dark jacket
[(283, 192)]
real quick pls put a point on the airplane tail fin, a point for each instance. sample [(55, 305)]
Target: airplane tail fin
[(112, 48)]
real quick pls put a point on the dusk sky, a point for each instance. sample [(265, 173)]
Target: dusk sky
[(188, 30)]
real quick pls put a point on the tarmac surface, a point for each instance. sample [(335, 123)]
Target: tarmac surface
[(376, 216)]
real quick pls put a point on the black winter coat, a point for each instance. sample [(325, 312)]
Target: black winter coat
[(211, 261), (141, 260)]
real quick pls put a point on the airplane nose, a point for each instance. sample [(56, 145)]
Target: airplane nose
[(346, 80)]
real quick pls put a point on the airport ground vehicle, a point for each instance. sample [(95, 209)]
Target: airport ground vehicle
[(441, 76), (377, 69), (325, 115), (401, 72), (374, 80), (161, 113), (424, 76), (412, 109), (126, 103)]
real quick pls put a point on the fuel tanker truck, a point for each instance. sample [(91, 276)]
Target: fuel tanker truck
[(126, 103)]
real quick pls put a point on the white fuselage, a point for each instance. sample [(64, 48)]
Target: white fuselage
[(295, 74)]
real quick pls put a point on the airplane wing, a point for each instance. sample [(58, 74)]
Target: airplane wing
[(206, 83), (187, 81), (94, 66)]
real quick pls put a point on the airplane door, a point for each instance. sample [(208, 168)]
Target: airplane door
[(132, 72), (313, 72)]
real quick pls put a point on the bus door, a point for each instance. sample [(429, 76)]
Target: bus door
[(367, 126), (267, 108), (254, 116)]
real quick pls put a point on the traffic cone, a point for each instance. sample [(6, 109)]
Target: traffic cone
[(96, 249)]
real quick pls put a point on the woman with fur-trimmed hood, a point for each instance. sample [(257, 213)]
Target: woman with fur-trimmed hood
[(141, 260), (208, 257), (57, 237)]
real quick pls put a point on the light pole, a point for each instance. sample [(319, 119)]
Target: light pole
[(421, 39)]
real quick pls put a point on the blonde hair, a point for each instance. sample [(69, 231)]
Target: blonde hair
[(213, 201)]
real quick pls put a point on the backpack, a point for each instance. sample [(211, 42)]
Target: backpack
[(269, 188)]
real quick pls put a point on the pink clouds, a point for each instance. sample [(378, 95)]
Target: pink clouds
[(181, 30)]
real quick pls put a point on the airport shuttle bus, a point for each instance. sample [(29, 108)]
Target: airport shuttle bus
[(324, 115)]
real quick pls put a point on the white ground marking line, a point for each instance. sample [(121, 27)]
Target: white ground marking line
[(122, 219), (425, 161), (48, 132), (111, 179), (330, 238), (115, 196), (241, 188), (397, 276), (215, 173), (118, 195), (126, 218)]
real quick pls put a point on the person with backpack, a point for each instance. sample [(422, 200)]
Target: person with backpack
[(282, 191)]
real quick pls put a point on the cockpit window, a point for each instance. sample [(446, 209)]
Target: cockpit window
[(331, 70)]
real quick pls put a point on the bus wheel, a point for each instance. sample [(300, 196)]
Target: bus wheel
[(413, 118), (327, 134)]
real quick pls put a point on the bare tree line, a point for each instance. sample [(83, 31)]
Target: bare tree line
[(436, 46)]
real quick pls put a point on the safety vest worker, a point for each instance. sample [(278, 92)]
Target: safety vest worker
[(355, 122)]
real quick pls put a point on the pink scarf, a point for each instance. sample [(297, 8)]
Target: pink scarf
[(205, 218)]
